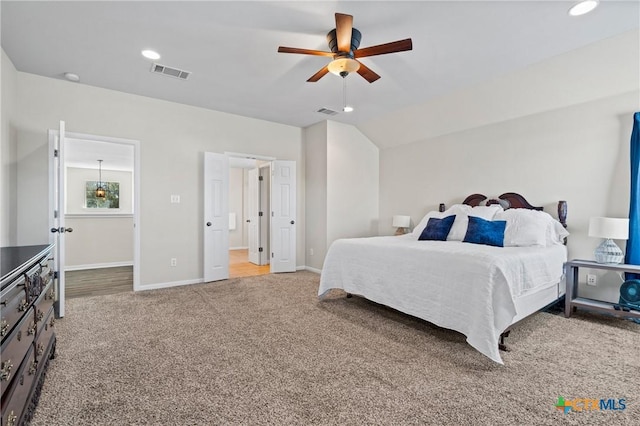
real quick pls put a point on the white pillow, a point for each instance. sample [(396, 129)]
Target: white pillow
[(527, 228), (556, 233)]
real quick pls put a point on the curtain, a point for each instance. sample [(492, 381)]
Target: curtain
[(632, 256)]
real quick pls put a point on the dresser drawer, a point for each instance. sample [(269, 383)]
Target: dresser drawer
[(15, 398), (13, 304), (44, 303), (44, 335), (15, 346)]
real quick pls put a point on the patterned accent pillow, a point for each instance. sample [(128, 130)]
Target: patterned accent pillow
[(437, 229), (488, 232)]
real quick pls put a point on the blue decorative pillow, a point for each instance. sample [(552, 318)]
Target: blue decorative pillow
[(437, 229), (481, 231)]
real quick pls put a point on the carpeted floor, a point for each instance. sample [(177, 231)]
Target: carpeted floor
[(265, 350)]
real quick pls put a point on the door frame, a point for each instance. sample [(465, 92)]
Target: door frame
[(136, 188)]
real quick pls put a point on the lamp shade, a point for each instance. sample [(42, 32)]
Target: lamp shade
[(609, 227), (401, 221)]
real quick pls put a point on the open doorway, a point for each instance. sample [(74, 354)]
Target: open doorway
[(249, 196), (99, 253)]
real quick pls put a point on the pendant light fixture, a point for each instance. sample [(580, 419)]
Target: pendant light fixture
[(100, 191)]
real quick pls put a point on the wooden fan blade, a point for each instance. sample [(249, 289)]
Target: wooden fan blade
[(317, 76), (367, 73), (383, 49), (344, 26), (283, 49)]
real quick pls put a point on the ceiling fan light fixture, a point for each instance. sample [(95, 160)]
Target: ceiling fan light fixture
[(340, 66), (583, 7)]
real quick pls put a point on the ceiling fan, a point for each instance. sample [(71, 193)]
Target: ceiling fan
[(344, 41)]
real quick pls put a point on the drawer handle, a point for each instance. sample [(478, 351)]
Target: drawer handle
[(4, 327), (23, 305), (5, 371), (33, 367), (50, 295), (32, 330), (40, 349), (39, 315), (11, 419), (53, 321)]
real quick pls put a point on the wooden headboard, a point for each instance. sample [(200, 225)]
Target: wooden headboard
[(511, 200)]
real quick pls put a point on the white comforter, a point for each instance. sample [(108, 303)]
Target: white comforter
[(465, 287)]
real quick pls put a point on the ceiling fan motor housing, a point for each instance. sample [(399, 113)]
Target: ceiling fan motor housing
[(356, 36)]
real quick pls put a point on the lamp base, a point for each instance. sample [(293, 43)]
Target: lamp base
[(608, 252), (401, 231)]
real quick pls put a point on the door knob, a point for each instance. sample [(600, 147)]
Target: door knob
[(208, 223), (293, 222), (248, 221), (62, 230)]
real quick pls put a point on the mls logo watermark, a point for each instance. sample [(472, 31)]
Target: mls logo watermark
[(590, 404)]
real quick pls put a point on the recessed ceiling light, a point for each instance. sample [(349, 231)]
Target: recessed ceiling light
[(347, 108), (583, 7), (151, 54), (71, 76)]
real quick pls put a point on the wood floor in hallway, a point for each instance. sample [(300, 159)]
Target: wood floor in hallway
[(94, 282)]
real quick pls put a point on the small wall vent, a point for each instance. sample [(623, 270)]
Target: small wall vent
[(327, 111), (171, 72)]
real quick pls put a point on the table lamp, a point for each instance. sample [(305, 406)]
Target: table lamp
[(402, 223), (609, 228)]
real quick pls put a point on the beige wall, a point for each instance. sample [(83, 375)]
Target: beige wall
[(315, 151), (557, 131), (341, 187), (8, 153), (236, 205), (173, 138), (97, 242), (75, 187), (352, 183)]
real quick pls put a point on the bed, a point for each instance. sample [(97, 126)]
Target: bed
[(477, 289)]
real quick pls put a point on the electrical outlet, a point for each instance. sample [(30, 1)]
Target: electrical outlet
[(591, 279), (310, 252), (175, 199), (174, 261)]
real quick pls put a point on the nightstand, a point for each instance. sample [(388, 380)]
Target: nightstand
[(572, 300)]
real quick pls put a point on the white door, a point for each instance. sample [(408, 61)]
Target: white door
[(283, 216), (56, 212), (253, 208), (216, 217)]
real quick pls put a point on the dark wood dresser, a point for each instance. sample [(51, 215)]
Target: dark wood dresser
[(27, 329)]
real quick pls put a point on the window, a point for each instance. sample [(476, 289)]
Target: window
[(110, 201)]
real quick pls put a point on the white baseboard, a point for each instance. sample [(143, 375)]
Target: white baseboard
[(201, 280), (97, 266), (169, 284)]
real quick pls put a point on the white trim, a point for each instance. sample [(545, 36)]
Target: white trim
[(98, 266), (238, 248), (309, 268), (136, 191), (168, 284), (251, 156), (96, 215)]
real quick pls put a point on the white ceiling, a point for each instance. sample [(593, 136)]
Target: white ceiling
[(231, 48)]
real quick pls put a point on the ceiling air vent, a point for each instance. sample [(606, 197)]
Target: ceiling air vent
[(327, 111), (171, 72)]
